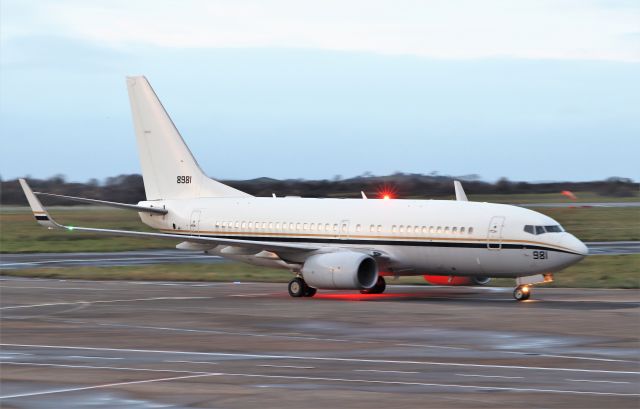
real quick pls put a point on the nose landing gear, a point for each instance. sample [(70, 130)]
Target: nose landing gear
[(523, 289), (522, 293)]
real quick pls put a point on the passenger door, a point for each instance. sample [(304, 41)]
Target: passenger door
[(494, 234)]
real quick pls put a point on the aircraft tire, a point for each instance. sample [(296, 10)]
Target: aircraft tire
[(309, 291), (522, 293), (297, 287)]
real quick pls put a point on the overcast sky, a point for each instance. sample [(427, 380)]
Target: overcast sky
[(530, 90)]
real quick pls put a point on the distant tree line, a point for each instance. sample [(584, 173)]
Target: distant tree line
[(130, 188)]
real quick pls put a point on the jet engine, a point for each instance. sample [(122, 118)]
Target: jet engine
[(343, 270), (457, 280)]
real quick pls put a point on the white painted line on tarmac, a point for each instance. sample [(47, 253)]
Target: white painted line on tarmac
[(586, 358), (328, 359), (382, 371), (588, 380), (94, 260), (53, 288), (307, 378), (108, 385), (288, 366), (192, 362), (101, 302), (491, 376), (431, 346), (90, 357)]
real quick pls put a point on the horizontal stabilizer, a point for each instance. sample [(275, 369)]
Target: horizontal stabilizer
[(126, 206)]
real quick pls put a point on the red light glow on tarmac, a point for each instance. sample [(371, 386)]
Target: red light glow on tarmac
[(366, 297)]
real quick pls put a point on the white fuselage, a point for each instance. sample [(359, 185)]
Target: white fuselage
[(436, 237)]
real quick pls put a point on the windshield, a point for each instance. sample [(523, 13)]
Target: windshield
[(536, 230)]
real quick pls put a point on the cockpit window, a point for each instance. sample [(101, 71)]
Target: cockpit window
[(543, 229)]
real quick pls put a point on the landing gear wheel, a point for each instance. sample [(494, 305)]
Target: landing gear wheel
[(297, 287), (378, 287), (309, 291), (522, 293)]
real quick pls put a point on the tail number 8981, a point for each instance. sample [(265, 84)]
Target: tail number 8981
[(184, 179)]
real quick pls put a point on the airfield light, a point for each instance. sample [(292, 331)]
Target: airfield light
[(525, 289), (386, 197)]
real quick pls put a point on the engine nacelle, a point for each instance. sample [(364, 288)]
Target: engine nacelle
[(342, 270), (457, 280)]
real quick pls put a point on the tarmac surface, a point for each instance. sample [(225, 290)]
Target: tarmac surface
[(132, 258), (126, 344)]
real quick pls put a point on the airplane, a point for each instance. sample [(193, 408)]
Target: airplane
[(345, 244)]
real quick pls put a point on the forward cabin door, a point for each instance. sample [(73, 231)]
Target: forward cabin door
[(194, 224), (494, 235)]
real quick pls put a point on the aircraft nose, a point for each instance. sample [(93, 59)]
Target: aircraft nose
[(577, 246)]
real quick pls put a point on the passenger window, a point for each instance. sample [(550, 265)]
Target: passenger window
[(454, 230), (424, 230), (439, 229), (335, 227), (431, 229), (393, 228), (470, 230), (357, 227), (277, 225), (372, 228), (291, 225), (344, 227), (408, 229), (305, 226), (461, 230), (539, 230), (379, 228), (237, 224), (401, 229), (251, 225), (446, 230), (319, 226)]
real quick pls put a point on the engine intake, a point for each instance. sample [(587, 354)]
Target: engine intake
[(343, 270)]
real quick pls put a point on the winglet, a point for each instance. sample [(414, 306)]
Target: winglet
[(39, 212), (460, 195)]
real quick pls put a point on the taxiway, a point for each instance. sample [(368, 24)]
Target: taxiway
[(148, 344)]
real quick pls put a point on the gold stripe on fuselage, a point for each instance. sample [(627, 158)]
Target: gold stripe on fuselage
[(471, 240)]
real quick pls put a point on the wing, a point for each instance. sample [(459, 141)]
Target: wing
[(157, 210), (44, 219)]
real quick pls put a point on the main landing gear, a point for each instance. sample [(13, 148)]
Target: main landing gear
[(299, 288), (522, 293), (378, 287)]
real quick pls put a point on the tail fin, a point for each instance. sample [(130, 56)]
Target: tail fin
[(169, 169)]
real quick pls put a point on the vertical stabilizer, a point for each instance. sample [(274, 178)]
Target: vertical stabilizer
[(169, 169)]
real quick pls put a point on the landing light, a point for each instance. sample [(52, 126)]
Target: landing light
[(386, 197), (525, 289)]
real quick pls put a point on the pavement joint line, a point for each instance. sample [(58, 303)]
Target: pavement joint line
[(100, 302), (311, 378), (191, 362), (328, 359), (586, 358)]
